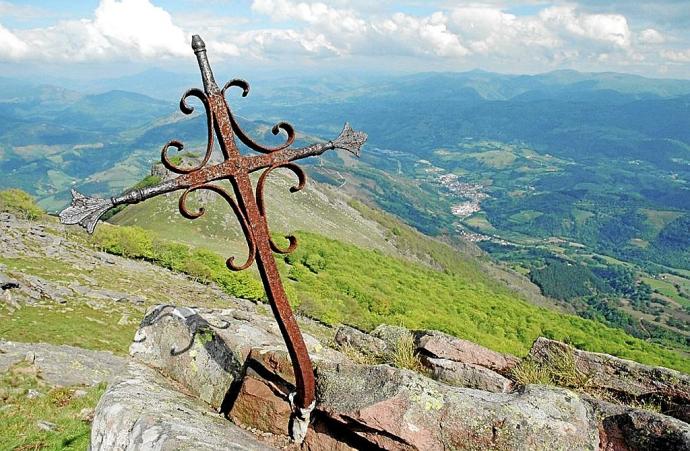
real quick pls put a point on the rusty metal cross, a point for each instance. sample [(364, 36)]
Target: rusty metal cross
[(247, 205)]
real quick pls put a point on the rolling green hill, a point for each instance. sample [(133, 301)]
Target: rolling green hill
[(576, 181), (316, 208), (338, 282)]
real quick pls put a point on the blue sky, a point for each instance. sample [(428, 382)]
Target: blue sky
[(92, 38)]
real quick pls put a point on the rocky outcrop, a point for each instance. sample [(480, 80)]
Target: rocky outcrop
[(398, 409), (208, 350), (7, 283), (622, 378), (183, 346), (390, 335), (467, 375), (363, 342), (443, 346), (261, 404), (234, 361), (622, 428), (143, 411), (449, 359), (63, 365)]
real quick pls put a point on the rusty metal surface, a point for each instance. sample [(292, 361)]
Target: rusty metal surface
[(248, 205)]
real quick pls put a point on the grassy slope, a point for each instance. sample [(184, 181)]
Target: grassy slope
[(60, 406), (365, 288), (338, 282), (313, 209)]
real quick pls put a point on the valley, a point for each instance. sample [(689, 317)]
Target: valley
[(575, 184)]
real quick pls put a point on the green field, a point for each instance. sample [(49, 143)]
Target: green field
[(337, 283)]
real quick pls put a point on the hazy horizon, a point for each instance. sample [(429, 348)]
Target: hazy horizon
[(272, 38)]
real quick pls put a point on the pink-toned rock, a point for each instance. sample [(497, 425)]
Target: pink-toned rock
[(261, 402), (275, 361), (467, 375), (396, 409), (444, 346), (622, 428), (261, 406), (622, 377), (322, 438)]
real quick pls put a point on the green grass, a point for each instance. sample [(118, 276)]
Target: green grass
[(310, 209), (559, 370), (336, 283), (75, 325), (480, 222), (659, 218), (667, 289), (19, 203), (202, 264), (581, 216), (497, 159), (405, 356), (525, 216), (20, 415), (411, 243), (366, 288)]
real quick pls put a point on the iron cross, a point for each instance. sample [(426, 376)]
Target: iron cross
[(247, 205)]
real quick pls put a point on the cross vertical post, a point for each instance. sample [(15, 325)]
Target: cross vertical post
[(258, 228), (247, 204)]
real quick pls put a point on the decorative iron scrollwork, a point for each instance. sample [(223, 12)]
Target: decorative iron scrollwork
[(187, 109), (244, 138), (241, 217), (302, 180)]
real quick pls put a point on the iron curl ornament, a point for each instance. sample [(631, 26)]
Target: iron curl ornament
[(247, 204)]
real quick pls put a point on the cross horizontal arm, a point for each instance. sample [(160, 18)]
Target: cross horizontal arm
[(349, 140)]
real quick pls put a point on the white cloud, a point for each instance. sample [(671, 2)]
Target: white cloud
[(343, 31), (11, 47), (651, 36), (317, 14), (140, 26), (677, 56), (417, 35), (125, 29), (329, 31), (460, 35), (288, 42), (488, 30), (605, 28)]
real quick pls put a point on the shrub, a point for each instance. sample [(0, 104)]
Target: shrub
[(131, 242), (208, 258), (560, 370), (405, 356), (315, 262), (170, 255), (239, 284), (20, 204), (197, 270), (297, 272), (202, 264), (293, 297)]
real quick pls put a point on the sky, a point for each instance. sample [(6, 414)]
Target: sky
[(72, 38)]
